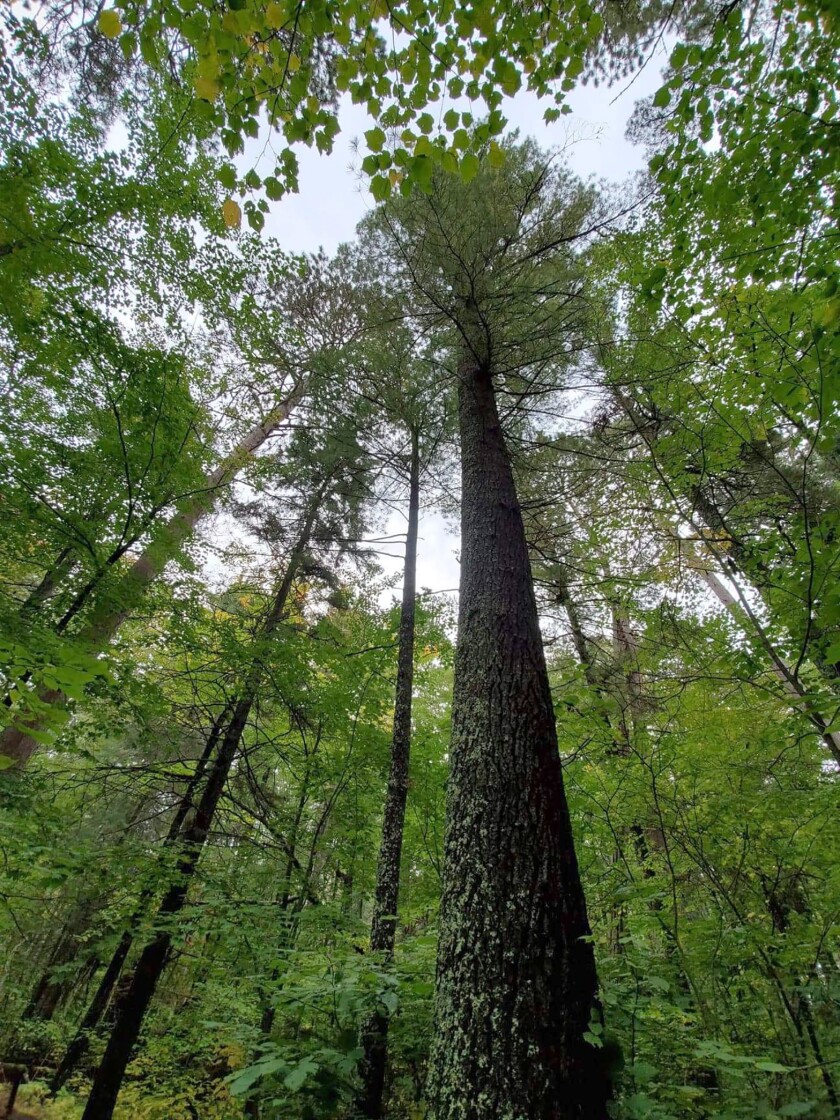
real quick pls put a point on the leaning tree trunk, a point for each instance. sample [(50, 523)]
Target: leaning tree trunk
[(78, 1045), (739, 608), (132, 1010), (374, 1033), (516, 982), (153, 959), (20, 743)]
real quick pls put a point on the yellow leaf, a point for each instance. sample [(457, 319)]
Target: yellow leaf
[(293, 65), (829, 313), (207, 88), (232, 214), (240, 21), (208, 65), (275, 16), (496, 155), (110, 23)]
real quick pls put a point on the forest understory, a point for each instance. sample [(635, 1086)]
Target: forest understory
[(290, 827)]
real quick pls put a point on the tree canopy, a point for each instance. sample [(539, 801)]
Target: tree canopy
[(287, 833)]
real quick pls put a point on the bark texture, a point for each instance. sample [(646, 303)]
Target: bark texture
[(374, 1033), (516, 984)]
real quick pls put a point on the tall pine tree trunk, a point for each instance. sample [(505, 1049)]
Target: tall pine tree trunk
[(516, 983), (374, 1034)]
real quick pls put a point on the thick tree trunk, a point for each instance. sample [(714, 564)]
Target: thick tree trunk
[(516, 983), (374, 1033), (152, 961), (18, 743)]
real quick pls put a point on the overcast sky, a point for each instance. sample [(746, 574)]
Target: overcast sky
[(332, 199)]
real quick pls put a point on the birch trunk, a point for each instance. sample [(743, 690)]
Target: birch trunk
[(20, 743)]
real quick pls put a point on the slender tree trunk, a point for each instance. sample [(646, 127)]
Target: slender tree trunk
[(64, 564), (292, 865), (150, 563), (780, 903), (516, 982), (147, 972), (374, 1034), (18, 743), (49, 990), (152, 961), (78, 1045), (793, 687), (14, 1085), (582, 648), (52, 988), (738, 563)]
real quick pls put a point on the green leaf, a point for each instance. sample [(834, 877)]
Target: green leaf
[(662, 97), (110, 24), (375, 138), (496, 155), (658, 983), (380, 187), (299, 1074), (227, 176), (273, 188), (245, 1079), (469, 167)]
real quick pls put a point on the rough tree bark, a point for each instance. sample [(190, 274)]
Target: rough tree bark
[(155, 954), (374, 1033), (18, 743), (516, 982)]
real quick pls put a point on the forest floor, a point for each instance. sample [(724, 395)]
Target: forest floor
[(19, 1113)]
